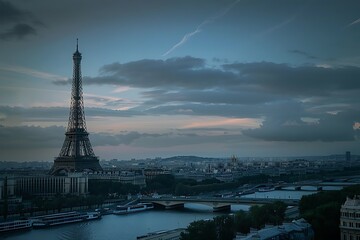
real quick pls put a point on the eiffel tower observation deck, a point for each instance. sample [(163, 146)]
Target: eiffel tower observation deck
[(76, 154)]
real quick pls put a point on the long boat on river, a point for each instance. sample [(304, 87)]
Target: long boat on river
[(17, 225), (63, 218), (132, 208)]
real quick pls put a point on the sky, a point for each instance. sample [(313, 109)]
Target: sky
[(250, 78)]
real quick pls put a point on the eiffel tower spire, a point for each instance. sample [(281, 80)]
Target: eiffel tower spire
[(76, 153)]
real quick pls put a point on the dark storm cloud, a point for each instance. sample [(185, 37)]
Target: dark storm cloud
[(106, 139), (111, 102), (30, 137), (9, 13), (47, 137), (284, 96), (214, 96), (190, 81), (16, 23), (186, 72), (21, 114), (19, 31), (297, 81), (244, 78), (329, 128), (33, 137), (174, 140), (224, 110)]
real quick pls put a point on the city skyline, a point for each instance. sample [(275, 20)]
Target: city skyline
[(165, 78)]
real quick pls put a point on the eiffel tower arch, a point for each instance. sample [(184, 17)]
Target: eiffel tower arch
[(76, 154)]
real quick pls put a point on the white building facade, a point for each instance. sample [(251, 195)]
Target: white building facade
[(350, 219)]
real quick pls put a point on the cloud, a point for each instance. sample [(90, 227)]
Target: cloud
[(354, 22), (19, 31), (297, 81), (9, 13), (16, 23), (33, 72), (29, 137), (214, 96), (34, 137), (224, 110), (194, 74), (20, 137), (199, 28), (303, 132), (189, 86), (285, 123), (183, 40), (280, 96), (106, 139), (17, 115), (303, 53), (113, 103), (30, 143), (185, 72)]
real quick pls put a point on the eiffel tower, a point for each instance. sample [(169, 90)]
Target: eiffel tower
[(76, 154)]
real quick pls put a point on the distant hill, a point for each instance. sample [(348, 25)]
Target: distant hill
[(190, 159)]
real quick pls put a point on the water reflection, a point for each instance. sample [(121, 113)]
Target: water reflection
[(123, 227)]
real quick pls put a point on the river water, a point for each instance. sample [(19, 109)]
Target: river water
[(124, 227)]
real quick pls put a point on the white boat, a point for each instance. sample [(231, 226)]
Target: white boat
[(58, 219), (140, 207), (266, 189), (92, 215), (103, 211), (16, 225), (133, 208), (120, 210)]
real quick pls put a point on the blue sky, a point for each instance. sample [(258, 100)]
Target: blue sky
[(164, 78)]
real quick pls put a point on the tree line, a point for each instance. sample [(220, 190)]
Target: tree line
[(322, 211), (225, 227)]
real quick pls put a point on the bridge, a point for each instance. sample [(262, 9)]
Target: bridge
[(318, 185), (218, 204)]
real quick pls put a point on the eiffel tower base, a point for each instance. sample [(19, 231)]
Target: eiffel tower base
[(70, 164)]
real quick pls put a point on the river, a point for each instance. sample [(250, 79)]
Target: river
[(124, 227)]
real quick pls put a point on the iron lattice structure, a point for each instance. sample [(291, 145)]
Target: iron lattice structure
[(76, 154)]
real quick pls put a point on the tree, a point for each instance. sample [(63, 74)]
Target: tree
[(325, 220), (225, 227), (200, 230), (257, 216), (276, 213), (104, 187), (273, 213), (322, 211), (242, 222), (180, 189), (164, 183)]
